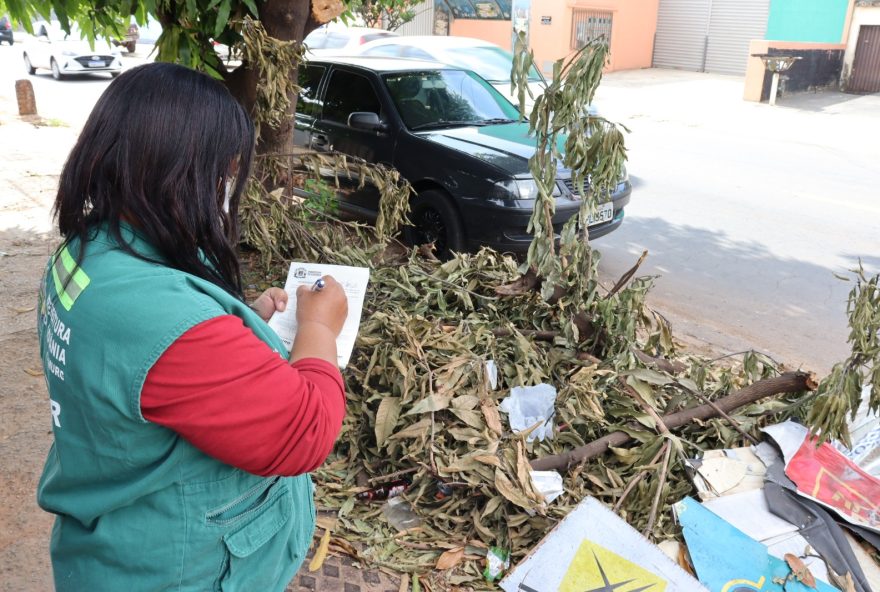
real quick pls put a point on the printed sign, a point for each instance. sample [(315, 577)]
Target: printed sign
[(593, 550)]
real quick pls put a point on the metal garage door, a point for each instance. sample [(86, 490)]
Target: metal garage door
[(708, 35), (866, 67), (680, 41), (732, 25)]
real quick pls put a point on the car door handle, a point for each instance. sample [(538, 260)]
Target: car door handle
[(321, 141)]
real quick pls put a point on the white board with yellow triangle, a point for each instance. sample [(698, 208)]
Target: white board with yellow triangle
[(593, 550)]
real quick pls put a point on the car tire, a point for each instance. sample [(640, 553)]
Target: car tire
[(27, 65), (435, 220), (56, 71)]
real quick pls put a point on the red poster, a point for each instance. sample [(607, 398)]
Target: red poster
[(827, 476)]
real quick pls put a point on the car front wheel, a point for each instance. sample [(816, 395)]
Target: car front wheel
[(56, 71), (435, 220), (28, 66)]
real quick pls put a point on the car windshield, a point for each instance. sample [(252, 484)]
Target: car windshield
[(54, 31), (492, 63), (447, 98)]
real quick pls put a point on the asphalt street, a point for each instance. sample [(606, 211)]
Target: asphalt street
[(747, 211)]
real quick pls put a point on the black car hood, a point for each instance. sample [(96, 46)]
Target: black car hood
[(506, 146)]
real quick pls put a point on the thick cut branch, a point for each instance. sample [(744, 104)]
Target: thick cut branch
[(790, 382)]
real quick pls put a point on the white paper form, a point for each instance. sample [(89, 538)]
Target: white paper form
[(354, 281)]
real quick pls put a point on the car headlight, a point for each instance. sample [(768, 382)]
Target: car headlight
[(528, 189)]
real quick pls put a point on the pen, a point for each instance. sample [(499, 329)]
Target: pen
[(318, 285)]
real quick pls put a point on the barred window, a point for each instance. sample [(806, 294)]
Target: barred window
[(589, 25)]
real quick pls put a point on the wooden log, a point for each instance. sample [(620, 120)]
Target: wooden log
[(790, 382), (24, 94)]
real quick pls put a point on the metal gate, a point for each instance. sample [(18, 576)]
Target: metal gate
[(590, 25), (865, 77), (732, 26), (680, 41), (708, 35)]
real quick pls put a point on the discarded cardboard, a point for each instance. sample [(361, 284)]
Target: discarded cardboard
[(594, 549), (728, 560), (725, 472), (749, 513)]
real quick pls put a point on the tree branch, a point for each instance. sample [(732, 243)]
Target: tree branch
[(790, 382)]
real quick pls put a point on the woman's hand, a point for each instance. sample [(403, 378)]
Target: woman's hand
[(273, 299), (319, 317), (328, 306)]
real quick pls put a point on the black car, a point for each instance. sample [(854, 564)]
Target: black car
[(6, 31), (459, 143)]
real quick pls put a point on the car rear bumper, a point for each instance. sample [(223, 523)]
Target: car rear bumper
[(504, 228)]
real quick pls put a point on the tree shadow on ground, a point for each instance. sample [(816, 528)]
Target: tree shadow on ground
[(738, 291)]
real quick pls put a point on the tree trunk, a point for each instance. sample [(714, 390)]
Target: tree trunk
[(286, 20)]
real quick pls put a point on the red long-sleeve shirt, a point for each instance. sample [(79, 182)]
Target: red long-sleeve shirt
[(227, 393)]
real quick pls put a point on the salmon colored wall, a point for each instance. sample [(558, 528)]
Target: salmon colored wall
[(634, 23), (632, 32), (497, 32)]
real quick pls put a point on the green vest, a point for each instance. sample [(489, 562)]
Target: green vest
[(139, 508)]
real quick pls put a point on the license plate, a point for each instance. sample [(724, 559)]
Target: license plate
[(604, 213), (96, 64)]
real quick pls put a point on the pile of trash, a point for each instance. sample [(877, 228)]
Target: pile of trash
[(456, 390), (782, 515)]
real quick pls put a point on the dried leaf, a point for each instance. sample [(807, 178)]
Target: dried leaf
[(492, 416), (386, 419), (800, 570), (33, 372), (450, 558), (434, 402), (416, 430), (404, 583), (321, 553), (510, 491)]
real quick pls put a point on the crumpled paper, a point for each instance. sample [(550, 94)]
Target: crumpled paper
[(528, 405)]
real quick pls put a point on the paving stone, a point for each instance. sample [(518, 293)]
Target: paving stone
[(341, 574)]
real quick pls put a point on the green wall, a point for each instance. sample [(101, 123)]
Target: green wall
[(818, 21)]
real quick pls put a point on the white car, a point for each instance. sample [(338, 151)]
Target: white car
[(64, 54), (486, 59), (336, 39)]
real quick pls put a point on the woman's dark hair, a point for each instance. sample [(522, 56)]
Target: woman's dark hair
[(157, 152)]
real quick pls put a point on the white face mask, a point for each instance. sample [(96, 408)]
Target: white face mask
[(230, 183)]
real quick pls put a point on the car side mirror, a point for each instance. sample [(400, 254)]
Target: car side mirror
[(366, 120)]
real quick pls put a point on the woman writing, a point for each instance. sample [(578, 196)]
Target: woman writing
[(183, 434)]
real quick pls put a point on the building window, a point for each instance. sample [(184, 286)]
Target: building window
[(589, 25)]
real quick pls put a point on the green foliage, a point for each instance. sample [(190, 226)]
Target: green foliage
[(322, 197), (568, 135), (389, 14), (839, 395)]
